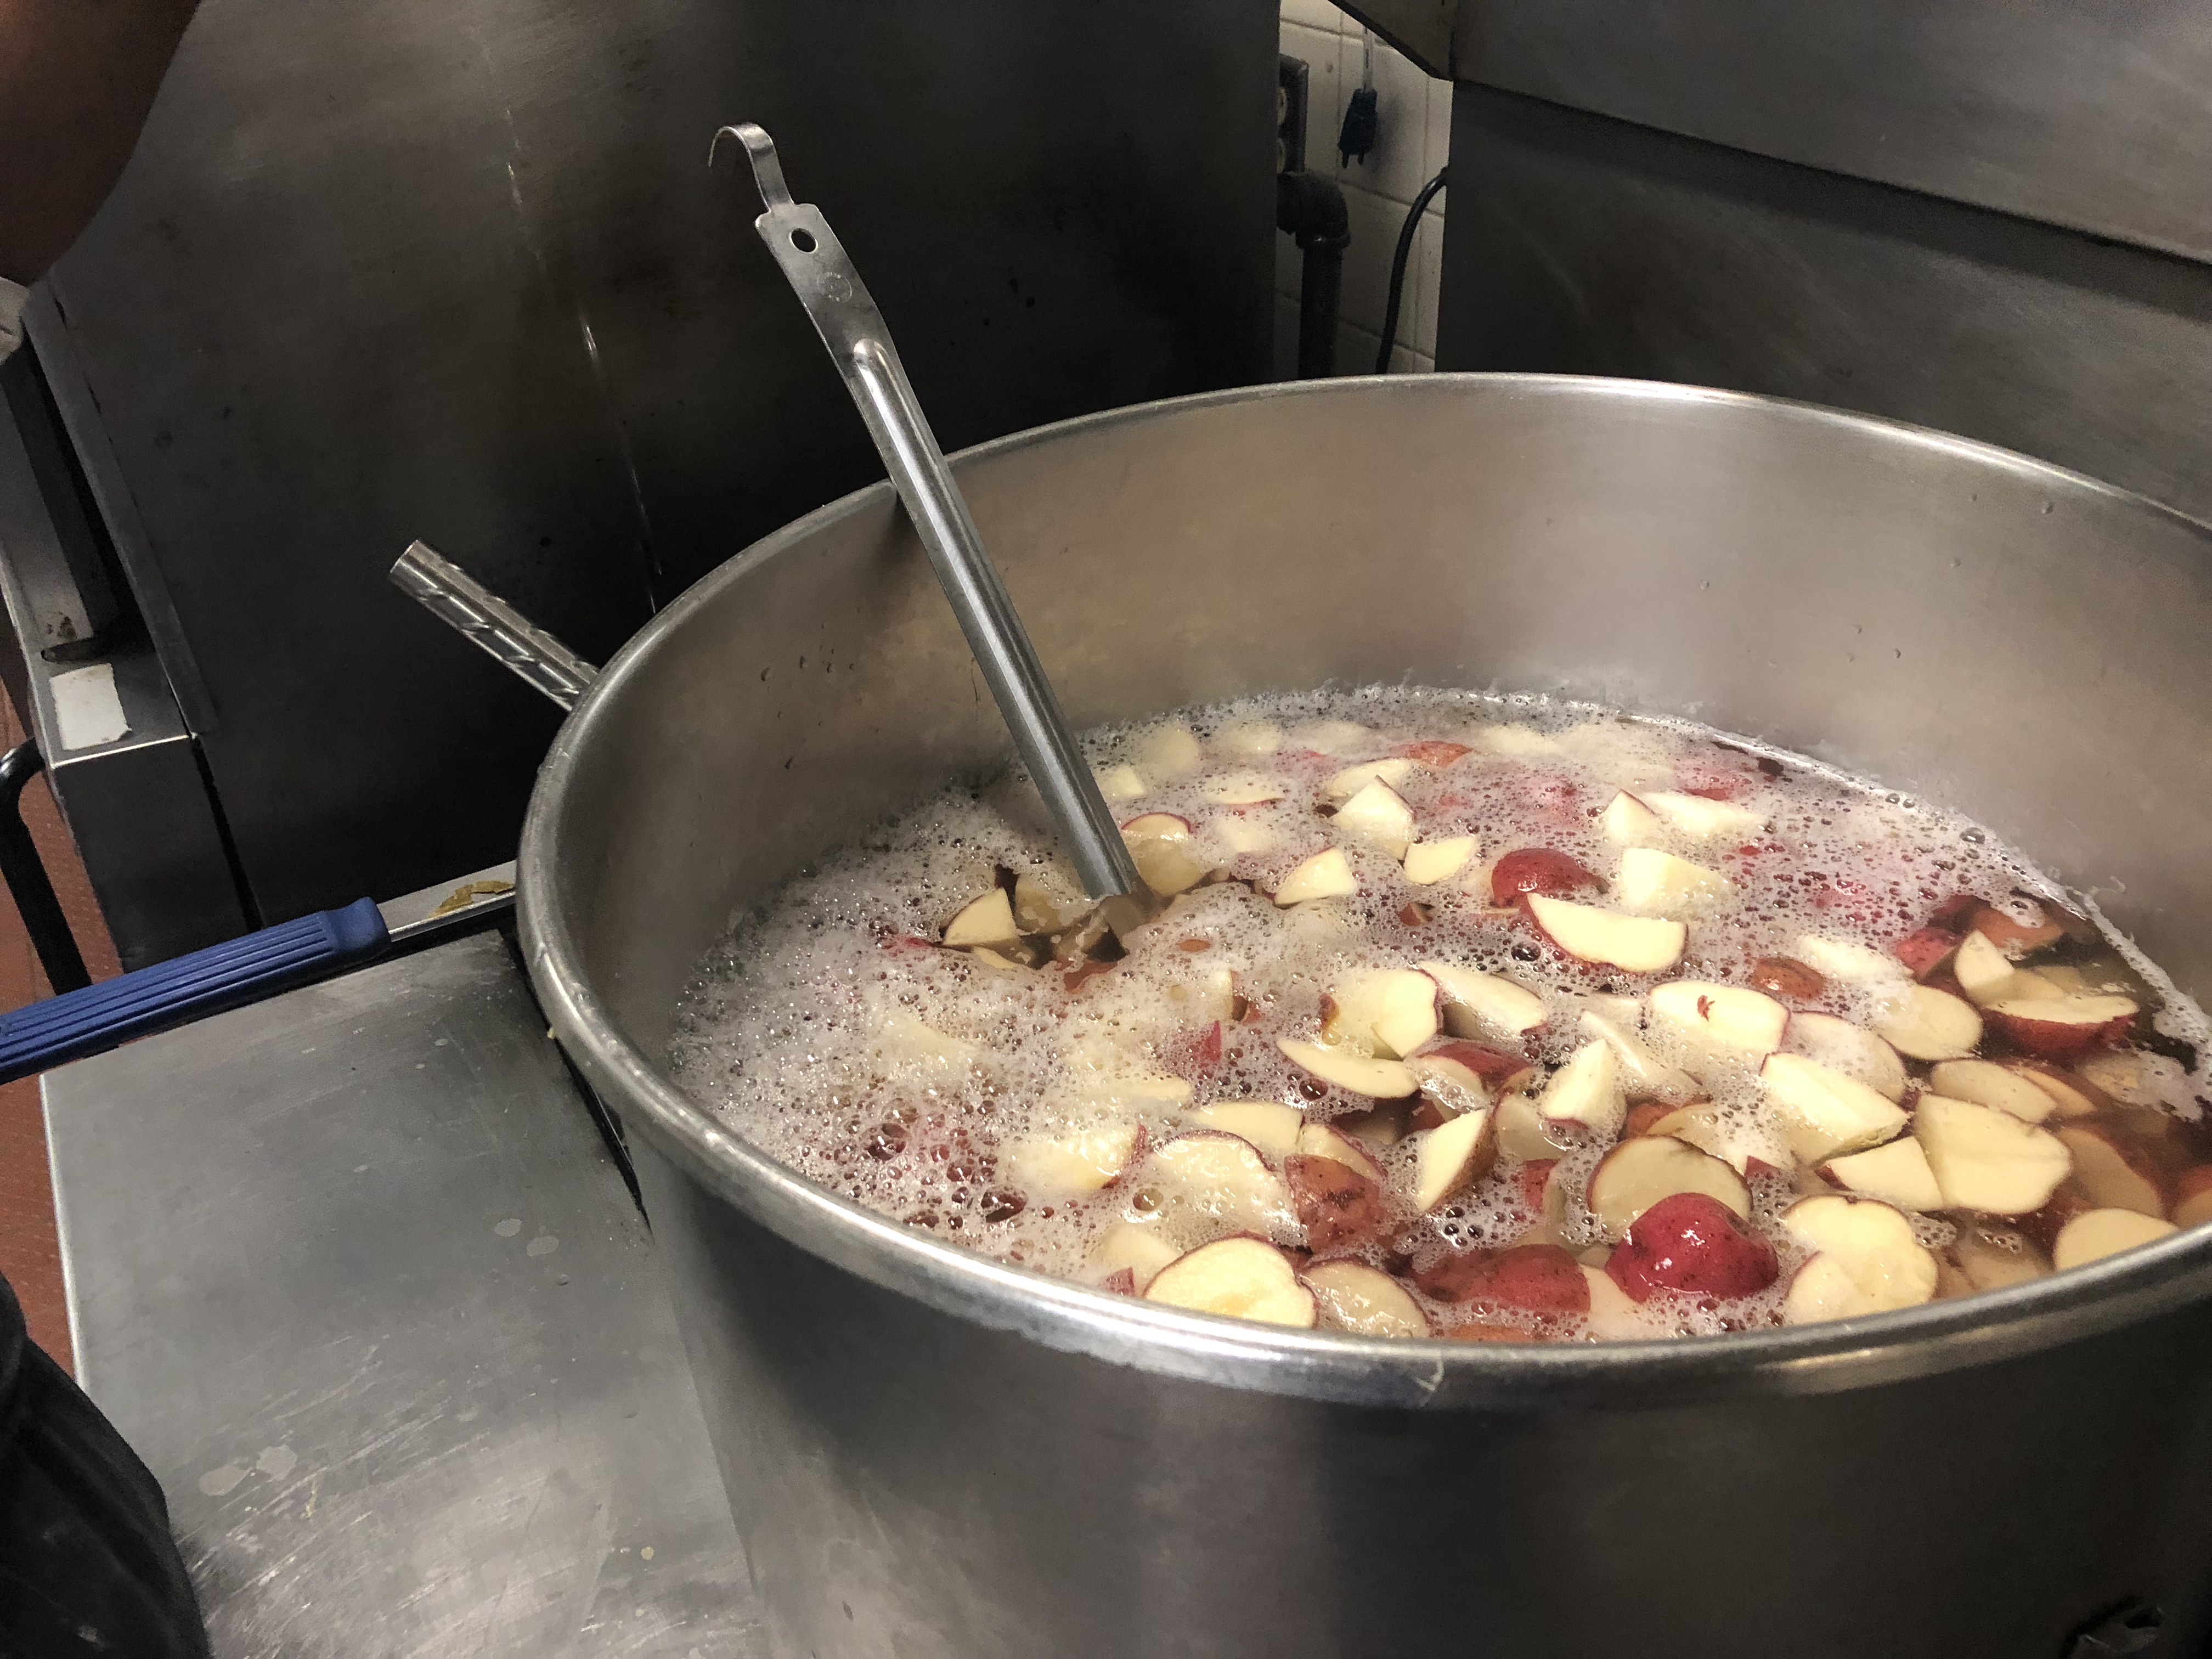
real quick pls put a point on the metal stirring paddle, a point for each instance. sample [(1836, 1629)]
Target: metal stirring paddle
[(816, 265)]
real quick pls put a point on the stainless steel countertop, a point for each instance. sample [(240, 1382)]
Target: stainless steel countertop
[(353, 1271)]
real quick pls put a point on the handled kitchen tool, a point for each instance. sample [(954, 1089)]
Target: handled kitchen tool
[(815, 263), (456, 598), (226, 975)]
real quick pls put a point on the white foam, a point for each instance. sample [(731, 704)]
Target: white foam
[(828, 1030)]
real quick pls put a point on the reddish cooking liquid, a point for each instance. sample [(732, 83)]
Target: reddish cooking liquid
[(834, 1030)]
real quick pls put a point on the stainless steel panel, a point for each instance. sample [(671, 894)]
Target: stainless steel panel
[(351, 1271), (1589, 246), (2092, 116), (44, 536), (965, 1458), (139, 808), (398, 269)]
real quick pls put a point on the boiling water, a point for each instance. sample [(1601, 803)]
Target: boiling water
[(833, 1031)]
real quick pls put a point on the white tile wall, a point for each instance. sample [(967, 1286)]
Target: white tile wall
[(1413, 141)]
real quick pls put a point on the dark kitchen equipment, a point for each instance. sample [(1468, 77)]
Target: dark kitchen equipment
[(931, 1454), (394, 269)]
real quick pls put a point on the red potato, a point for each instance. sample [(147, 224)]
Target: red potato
[(1926, 950), (2113, 1171), (1327, 1140), (1538, 869), (1786, 976), (1643, 1116), (1159, 843), (1338, 1206), (1540, 1193), (2071, 1094), (1535, 1277), (1482, 1331), (1694, 1244), (1200, 1054), (2063, 1027), (1494, 1072), (1434, 752), (1122, 1281), (2014, 938)]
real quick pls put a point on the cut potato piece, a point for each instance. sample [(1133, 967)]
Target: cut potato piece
[(1706, 1127), (1327, 1140), (1703, 819), (2095, 1233), (1044, 904), (1896, 1174), (1245, 835), (1355, 781), (1867, 1261), (1380, 1079), (1364, 1300), (1636, 1174), (1666, 885), (1119, 783), (1169, 751), (988, 921), (1987, 976), (1586, 1092), (1926, 1024), (1637, 944), (1614, 1317), (1141, 1251), (1988, 1160), (1378, 814), (1246, 789), (1852, 1049), (1477, 1005), (1627, 821), (1643, 1075), (1240, 1278), (1993, 1256), (1522, 1132), (1224, 1177), (1724, 1016), (1337, 737), (1052, 1167), (1324, 875), (1160, 842), (1390, 1013), (1824, 1112), (1517, 741), (1250, 738), (1985, 1083), (1267, 1124), (2115, 1178), (1428, 862), (2062, 1027), (1451, 1157), (1843, 959)]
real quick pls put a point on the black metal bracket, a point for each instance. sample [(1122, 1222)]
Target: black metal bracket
[(28, 884)]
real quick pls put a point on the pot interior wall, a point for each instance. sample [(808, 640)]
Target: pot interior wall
[(2013, 642)]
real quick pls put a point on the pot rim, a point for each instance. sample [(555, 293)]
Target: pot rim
[(1431, 1373)]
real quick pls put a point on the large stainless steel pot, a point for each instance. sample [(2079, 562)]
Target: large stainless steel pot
[(932, 1454)]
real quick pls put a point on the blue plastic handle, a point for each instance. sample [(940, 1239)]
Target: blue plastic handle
[(226, 975)]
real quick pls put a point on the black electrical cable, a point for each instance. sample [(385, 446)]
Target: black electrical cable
[(1398, 268)]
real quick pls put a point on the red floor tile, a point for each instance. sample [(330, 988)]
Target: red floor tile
[(30, 1251)]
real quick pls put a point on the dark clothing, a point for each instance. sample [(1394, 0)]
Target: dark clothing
[(86, 1563)]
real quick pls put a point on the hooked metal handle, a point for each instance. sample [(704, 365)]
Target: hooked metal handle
[(821, 273), (465, 604)]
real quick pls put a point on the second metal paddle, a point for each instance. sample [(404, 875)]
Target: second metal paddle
[(815, 263)]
